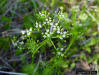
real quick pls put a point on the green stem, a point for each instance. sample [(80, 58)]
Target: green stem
[(53, 44), (34, 4), (72, 41), (41, 44)]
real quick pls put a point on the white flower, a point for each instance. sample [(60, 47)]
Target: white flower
[(47, 30), (51, 24), (62, 55), (58, 31), (61, 38), (46, 19), (61, 33), (23, 32), (58, 53), (15, 43), (48, 35), (51, 33), (44, 23), (36, 23), (65, 32), (56, 24), (61, 15), (42, 14), (50, 20), (64, 35), (40, 25), (30, 29), (21, 42), (61, 49), (36, 26), (28, 33), (44, 36)]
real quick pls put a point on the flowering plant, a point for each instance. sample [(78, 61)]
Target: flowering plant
[(49, 26)]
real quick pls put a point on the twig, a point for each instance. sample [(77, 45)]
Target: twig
[(17, 58), (12, 73), (15, 31), (98, 27), (40, 3), (6, 63), (93, 18), (9, 8), (40, 59), (8, 4)]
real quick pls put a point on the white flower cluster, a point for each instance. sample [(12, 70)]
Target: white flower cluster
[(28, 32), (60, 52), (24, 33), (53, 28), (47, 21), (38, 25), (61, 15), (43, 14), (50, 25), (17, 43)]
